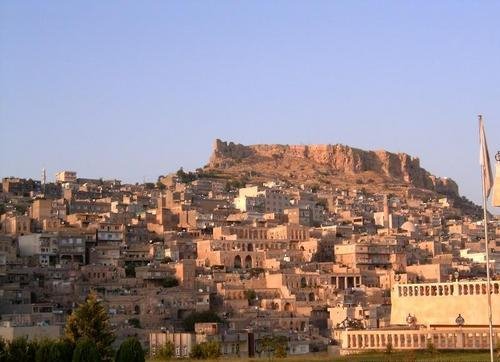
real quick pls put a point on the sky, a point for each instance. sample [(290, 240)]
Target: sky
[(133, 90)]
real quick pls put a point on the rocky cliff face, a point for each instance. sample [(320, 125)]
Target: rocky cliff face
[(339, 159)]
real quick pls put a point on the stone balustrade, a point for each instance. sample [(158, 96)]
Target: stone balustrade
[(442, 303), (353, 341), (461, 288)]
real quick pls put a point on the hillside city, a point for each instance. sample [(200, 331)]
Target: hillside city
[(199, 258)]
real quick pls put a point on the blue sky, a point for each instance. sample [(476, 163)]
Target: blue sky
[(137, 89)]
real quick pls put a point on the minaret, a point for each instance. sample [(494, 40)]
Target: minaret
[(386, 211), (44, 180)]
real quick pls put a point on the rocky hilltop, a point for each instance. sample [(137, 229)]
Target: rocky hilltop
[(332, 164)]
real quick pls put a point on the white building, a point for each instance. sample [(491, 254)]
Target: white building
[(261, 199), (66, 176)]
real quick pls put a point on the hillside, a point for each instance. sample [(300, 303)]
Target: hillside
[(326, 165)]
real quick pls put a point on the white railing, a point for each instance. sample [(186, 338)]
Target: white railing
[(445, 338)]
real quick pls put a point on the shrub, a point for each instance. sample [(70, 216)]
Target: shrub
[(196, 352), (43, 353), (20, 350), (274, 346), (166, 352), (280, 351), (3, 349), (212, 349), (280, 345), (130, 351), (86, 351), (53, 350), (62, 351), (206, 350)]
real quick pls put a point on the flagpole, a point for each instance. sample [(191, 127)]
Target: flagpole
[(488, 278)]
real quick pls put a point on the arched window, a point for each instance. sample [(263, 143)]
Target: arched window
[(237, 262), (248, 262)]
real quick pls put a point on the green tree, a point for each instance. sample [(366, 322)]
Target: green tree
[(130, 351), (86, 351), (200, 317), (166, 352), (90, 321), (185, 177)]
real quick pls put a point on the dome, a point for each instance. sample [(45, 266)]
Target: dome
[(408, 226)]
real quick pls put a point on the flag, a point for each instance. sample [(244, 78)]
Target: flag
[(484, 160)]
